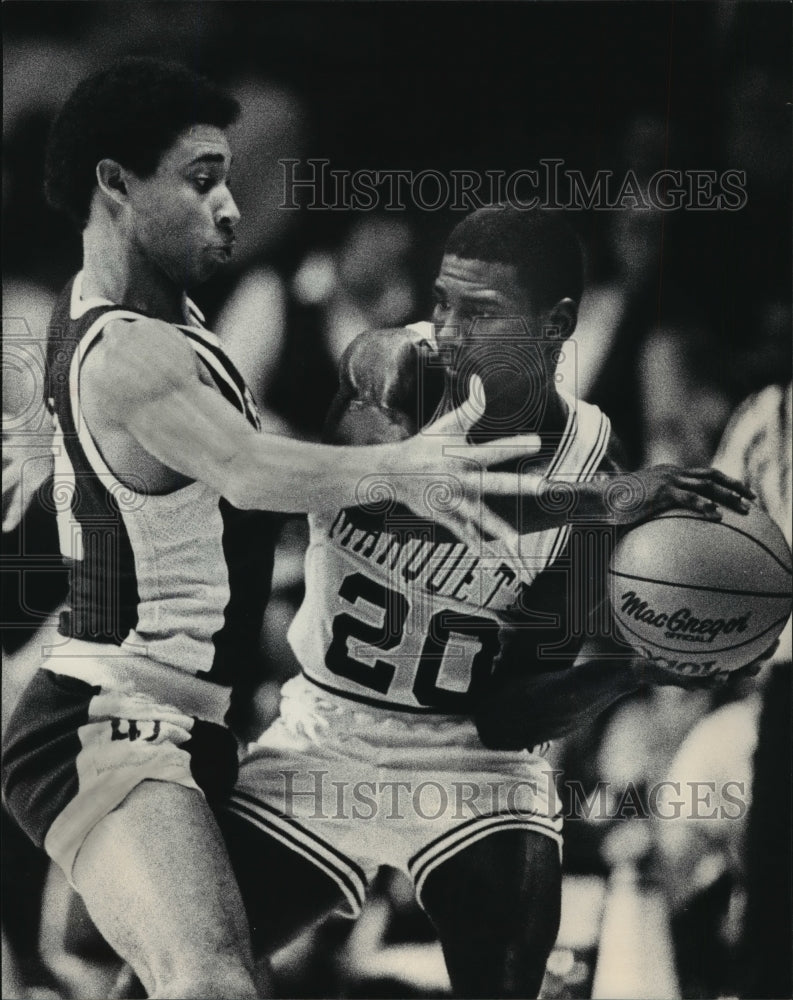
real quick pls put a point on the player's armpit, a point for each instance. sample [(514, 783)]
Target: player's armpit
[(378, 399)]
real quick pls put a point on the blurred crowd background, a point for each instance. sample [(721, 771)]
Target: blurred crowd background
[(687, 315)]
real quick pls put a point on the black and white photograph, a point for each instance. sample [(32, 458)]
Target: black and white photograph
[(396, 545)]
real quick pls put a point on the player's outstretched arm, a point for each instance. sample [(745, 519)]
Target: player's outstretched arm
[(626, 498), (151, 388)]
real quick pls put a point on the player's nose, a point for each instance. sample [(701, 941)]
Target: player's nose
[(227, 215)]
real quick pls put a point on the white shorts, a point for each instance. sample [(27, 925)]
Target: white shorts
[(352, 788)]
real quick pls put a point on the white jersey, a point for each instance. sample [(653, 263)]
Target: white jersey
[(400, 615)]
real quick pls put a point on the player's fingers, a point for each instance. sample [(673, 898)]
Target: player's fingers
[(753, 669), (463, 418), (487, 526), (715, 491), (690, 501), (504, 484), (462, 527), (509, 448), (717, 476), (498, 451), (491, 525), (769, 652)]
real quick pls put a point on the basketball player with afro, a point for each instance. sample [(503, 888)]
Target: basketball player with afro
[(118, 750), (433, 671)]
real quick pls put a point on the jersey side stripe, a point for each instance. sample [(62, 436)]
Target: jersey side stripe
[(226, 390), (93, 538), (209, 347), (589, 466), (212, 343), (92, 453), (570, 435), (218, 369)]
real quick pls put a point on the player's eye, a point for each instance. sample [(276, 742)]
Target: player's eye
[(202, 184)]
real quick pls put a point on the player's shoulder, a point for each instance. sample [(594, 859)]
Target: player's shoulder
[(592, 428), (127, 341), (137, 358)]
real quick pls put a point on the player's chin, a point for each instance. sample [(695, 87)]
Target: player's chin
[(207, 266)]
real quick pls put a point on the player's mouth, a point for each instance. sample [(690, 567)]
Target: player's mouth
[(224, 250)]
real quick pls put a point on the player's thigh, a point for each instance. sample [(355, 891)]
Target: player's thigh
[(496, 907), (157, 881), (284, 893)]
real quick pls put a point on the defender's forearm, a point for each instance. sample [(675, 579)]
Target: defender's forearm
[(523, 713), (282, 474)]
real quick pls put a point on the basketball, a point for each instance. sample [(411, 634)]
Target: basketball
[(701, 597)]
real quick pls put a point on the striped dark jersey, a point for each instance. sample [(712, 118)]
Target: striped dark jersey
[(181, 578)]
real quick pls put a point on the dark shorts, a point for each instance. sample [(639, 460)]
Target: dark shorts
[(73, 752)]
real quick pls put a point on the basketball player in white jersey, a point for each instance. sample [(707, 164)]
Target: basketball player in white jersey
[(412, 737), (118, 749)]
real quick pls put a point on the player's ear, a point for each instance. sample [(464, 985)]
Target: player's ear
[(564, 317), (111, 178)]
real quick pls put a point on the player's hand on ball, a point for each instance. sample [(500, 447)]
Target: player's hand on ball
[(638, 496), (647, 671), (445, 478)]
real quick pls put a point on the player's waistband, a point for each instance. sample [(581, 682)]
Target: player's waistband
[(108, 666), (303, 701)]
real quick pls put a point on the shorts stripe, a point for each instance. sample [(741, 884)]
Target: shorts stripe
[(555, 822), (344, 872), (427, 860), (257, 804)]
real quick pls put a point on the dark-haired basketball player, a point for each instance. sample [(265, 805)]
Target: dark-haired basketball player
[(411, 739), (118, 748)]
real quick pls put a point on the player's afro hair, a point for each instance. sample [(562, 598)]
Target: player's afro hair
[(131, 113), (541, 245)]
